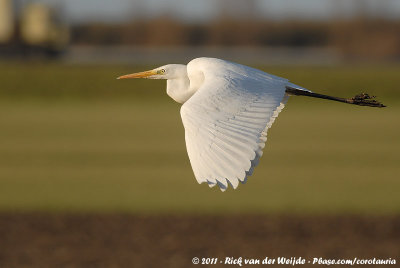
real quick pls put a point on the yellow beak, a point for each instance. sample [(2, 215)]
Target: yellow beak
[(138, 75)]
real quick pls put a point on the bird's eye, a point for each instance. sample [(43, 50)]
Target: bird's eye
[(162, 71)]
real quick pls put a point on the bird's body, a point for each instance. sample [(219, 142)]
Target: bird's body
[(226, 112), (227, 118)]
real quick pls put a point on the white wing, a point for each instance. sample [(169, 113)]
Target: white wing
[(227, 119)]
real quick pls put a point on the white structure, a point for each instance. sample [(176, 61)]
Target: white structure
[(6, 21)]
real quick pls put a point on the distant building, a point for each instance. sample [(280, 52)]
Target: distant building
[(36, 29), (6, 21)]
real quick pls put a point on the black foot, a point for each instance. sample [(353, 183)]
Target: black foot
[(364, 99)]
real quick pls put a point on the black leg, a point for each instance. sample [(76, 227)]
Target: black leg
[(362, 99)]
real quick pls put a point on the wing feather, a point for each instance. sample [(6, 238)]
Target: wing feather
[(226, 122)]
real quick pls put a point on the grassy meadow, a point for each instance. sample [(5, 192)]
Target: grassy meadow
[(72, 138)]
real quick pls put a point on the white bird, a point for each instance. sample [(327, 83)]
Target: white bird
[(227, 110)]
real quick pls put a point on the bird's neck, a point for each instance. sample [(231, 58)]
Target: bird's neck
[(179, 89)]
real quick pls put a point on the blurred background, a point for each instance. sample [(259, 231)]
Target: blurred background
[(94, 171), (261, 32)]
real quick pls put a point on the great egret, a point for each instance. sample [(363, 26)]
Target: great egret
[(226, 112)]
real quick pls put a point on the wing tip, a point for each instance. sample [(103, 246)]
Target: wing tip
[(224, 185)]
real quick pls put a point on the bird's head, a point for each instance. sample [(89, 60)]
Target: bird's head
[(169, 71)]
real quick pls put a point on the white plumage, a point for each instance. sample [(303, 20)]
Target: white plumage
[(227, 119), (226, 112)]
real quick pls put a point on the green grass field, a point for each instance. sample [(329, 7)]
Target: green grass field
[(72, 138)]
